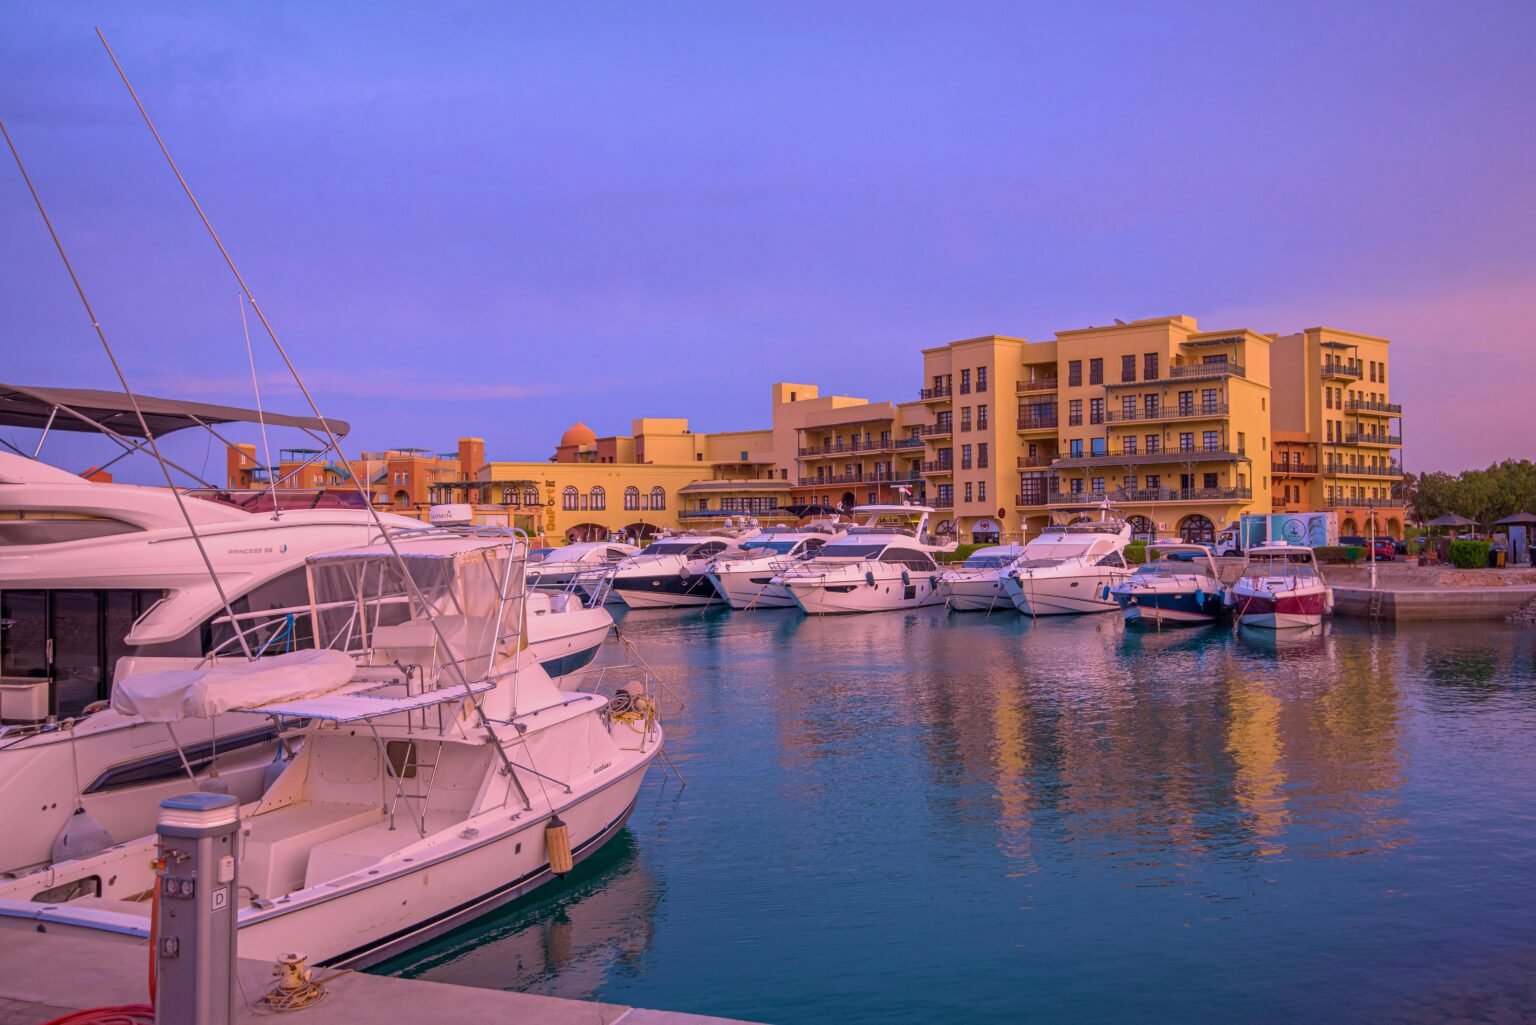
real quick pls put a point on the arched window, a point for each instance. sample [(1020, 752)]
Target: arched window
[(1141, 528), (569, 498), (530, 495), (1197, 530), (402, 498), (658, 498), (508, 496), (631, 498), (599, 497)]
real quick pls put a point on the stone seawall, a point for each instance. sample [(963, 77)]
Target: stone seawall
[(1443, 603)]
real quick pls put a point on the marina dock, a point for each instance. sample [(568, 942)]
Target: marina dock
[(33, 990)]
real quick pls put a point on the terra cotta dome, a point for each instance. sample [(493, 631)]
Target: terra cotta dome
[(578, 434)]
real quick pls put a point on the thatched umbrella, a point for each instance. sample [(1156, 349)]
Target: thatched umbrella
[(1452, 521)]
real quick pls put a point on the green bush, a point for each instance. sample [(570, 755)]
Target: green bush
[(1136, 553), (1469, 554), (1338, 553), (960, 554)]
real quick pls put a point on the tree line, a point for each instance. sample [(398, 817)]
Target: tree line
[(1482, 495)]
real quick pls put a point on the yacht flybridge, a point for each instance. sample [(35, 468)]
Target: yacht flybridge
[(884, 563), (746, 578), (673, 571), (1070, 569), (1178, 584), (432, 769)]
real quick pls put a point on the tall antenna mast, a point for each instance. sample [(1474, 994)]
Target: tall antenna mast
[(149, 436)]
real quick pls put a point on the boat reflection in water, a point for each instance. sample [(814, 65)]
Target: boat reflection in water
[(562, 944)]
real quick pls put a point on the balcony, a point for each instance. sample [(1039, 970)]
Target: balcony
[(1359, 470), (939, 466), (1035, 462), (1038, 422), (835, 478), (934, 394), (1338, 370), (1039, 384), (942, 429), (1362, 503), (1160, 495), (1373, 406), (1033, 499), (1382, 440), (1294, 469), (844, 447), (1124, 457), (942, 503), (908, 443), (1204, 411)]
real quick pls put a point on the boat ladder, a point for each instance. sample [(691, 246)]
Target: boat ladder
[(409, 768), (1373, 610), (602, 588)]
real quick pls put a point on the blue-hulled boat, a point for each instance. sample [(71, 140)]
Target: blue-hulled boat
[(1178, 585)]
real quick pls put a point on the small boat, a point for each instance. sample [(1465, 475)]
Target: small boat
[(745, 578), (1281, 588), (1070, 569), (883, 564), (1178, 584), (434, 771), (977, 584), (673, 571), (575, 568)]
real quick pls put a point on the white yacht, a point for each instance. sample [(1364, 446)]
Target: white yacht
[(977, 584), (746, 578), (884, 563), (1178, 584), (435, 771), (577, 568), (1070, 569), (673, 570)]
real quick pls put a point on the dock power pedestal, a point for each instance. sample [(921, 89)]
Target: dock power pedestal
[(195, 945)]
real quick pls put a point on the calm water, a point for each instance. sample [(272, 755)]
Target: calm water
[(919, 817)]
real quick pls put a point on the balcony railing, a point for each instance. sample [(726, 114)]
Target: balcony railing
[(1363, 503), (927, 394), (938, 430), (1167, 455), (838, 448), (943, 503), (1358, 470), (939, 466), (1388, 440), (836, 478), (1131, 495), (1035, 462), (1294, 469), (1037, 385), (908, 443), (1203, 411), (1373, 406), (1342, 371), (1193, 371)]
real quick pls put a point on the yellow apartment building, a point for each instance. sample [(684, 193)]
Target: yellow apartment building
[(1331, 388)]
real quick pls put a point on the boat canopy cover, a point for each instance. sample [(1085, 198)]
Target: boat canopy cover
[(170, 695), (88, 410), (356, 707)]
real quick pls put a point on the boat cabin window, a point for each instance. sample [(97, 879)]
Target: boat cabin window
[(671, 548), (812, 545), (45, 527), (764, 547), (539, 555), (991, 558), (1111, 559), (907, 557), (707, 549), (616, 555), (844, 551), (402, 758)]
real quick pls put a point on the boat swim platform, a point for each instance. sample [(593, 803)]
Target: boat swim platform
[(103, 973)]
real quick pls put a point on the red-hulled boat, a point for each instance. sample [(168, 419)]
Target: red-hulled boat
[(1281, 588)]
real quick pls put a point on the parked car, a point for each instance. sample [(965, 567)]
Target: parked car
[(1386, 549)]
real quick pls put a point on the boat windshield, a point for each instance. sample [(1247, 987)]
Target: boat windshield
[(982, 560), (1280, 566), (1039, 563), (1176, 564), (670, 548), (777, 547), (539, 555), (851, 552)]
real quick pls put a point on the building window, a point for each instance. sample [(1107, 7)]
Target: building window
[(981, 491), (632, 498), (1074, 373), (1242, 443), (1095, 411), (1208, 401), (1154, 481), (981, 417), (1186, 403), (1098, 486), (1154, 444), (965, 457), (965, 418), (981, 379), (981, 456), (599, 499), (658, 498), (1098, 446), (946, 496), (1127, 369), (965, 382), (508, 496), (1075, 446), (1130, 482), (569, 499), (1128, 444), (1187, 441), (968, 491), (1211, 441), (1096, 371), (1152, 403), (1075, 413), (531, 495), (1128, 407), (1149, 367), (1076, 485), (1210, 481)]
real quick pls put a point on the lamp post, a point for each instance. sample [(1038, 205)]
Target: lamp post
[(1371, 512)]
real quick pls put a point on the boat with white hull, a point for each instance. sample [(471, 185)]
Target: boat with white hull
[(1179, 584), (577, 568), (1281, 588), (415, 800), (885, 563), (1070, 569), (977, 584), (746, 578), (673, 571)]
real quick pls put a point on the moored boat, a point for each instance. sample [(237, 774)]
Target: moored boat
[(673, 571), (1178, 584), (885, 563), (976, 585), (1070, 569), (747, 578), (1281, 588)]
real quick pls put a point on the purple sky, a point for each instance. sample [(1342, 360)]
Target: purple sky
[(495, 219)]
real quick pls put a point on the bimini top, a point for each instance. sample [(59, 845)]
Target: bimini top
[(88, 410), (430, 543)]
